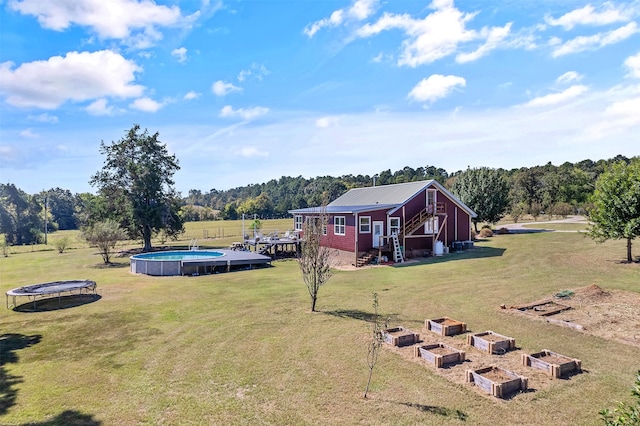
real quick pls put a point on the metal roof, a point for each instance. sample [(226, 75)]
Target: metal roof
[(343, 209), (382, 197), (392, 195)]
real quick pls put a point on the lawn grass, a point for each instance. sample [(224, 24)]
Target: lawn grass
[(243, 347), (560, 226)]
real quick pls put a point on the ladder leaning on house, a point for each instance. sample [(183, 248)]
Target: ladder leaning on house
[(397, 253)]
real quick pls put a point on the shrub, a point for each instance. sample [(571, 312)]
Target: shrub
[(486, 226), (486, 232), (624, 414), (503, 231), (62, 244), (474, 234)]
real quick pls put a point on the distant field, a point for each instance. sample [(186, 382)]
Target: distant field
[(243, 348)]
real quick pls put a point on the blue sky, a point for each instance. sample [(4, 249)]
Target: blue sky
[(247, 91)]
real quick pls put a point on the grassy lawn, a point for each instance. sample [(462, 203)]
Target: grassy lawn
[(560, 226), (243, 347)]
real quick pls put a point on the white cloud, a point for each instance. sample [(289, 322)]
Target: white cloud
[(257, 71), (436, 87), (246, 114), (180, 53), (100, 107), (252, 152), (557, 98), (134, 22), (325, 122), (569, 77), (359, 11), (222, 88), (146, 104), (588, 15), (633, 64), (494, 37), (78, 76), (437, 35), (191, 95), (44, 118), (596, 41), (619, 117), (362, 9), (28, 133)]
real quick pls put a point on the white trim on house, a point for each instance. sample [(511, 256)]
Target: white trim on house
[(364, 224), (339, 228)]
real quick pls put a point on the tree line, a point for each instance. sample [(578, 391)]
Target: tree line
[(549, 189), (135, 189)]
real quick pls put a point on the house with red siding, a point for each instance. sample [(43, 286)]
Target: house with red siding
[(402, 220)]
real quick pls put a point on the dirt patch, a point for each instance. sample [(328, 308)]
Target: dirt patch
[(610, 314)]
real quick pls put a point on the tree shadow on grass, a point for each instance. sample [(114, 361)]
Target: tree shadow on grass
[(111, 265), (9, 343), (356, 314), (68, 418), (434, 409)]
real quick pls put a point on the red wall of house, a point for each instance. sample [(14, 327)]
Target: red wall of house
[(414, 206)]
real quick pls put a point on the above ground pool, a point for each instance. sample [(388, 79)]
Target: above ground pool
[(193, 262)]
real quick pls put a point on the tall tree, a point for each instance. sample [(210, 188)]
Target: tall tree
[(485, 191), (20, 219), (137, 181), (616, 204)]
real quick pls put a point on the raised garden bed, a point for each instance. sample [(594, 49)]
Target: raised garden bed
[(552, 363), (491, 342), (543, 308), (497, 381), (440, 354), (445, 326), (400, 336)]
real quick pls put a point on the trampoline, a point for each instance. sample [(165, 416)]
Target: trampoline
[(51, 289)]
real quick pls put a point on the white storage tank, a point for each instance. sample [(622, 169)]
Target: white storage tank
[(439, 248)]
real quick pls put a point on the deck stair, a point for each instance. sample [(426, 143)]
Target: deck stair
[(266, 249), (397, 253), (366, 258)]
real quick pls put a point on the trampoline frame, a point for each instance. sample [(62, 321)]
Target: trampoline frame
[(51, 289)]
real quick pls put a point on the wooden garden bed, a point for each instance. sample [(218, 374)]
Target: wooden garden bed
[(399, 336), (445, 326), (492, 343), (439, 354), (497, 381), (554, 364)]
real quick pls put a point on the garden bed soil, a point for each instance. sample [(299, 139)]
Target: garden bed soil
[(610, 314)]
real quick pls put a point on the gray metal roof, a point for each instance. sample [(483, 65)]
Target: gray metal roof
[(343, 209), (392, 195), (382, 197)]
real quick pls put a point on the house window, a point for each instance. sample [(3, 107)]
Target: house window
[(431, 226), (316, 222), (297, 223), (394, 225), (365, 225), (431, 199), (339, 225)]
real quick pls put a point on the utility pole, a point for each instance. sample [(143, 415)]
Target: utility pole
[(46, 205)]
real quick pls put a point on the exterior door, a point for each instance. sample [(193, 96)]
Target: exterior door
[(378, 230)]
